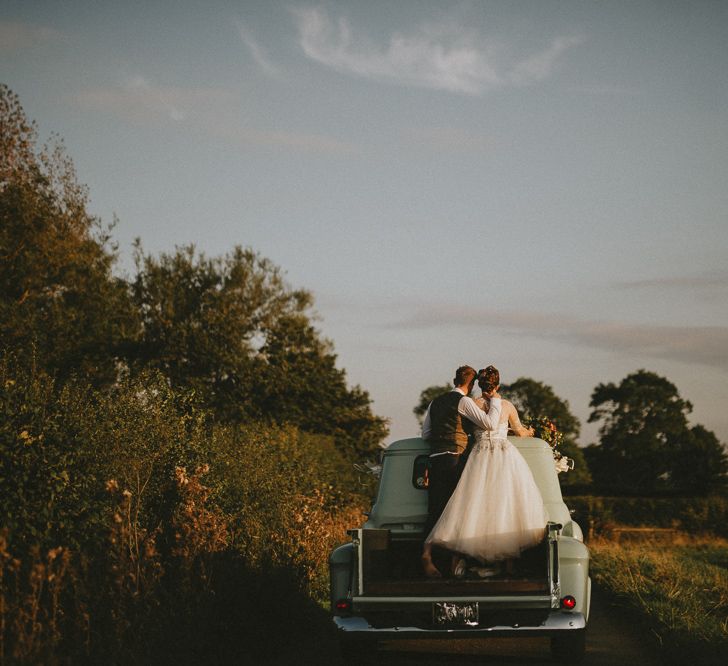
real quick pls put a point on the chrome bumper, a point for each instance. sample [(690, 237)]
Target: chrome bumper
[(555, 623)]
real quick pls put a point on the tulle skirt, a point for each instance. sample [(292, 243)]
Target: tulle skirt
[(496, 510)]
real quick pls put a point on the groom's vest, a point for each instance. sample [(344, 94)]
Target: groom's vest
[(447, 428)]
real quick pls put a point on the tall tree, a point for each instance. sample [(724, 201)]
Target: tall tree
[(645, 439), (699, 463), (231, 329), (58, 295), (534, 400)]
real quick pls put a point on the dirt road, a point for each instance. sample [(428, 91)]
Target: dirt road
[(612, 640)]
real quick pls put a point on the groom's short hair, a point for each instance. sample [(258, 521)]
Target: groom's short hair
[(464, 375)]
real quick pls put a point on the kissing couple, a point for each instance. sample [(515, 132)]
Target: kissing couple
[(483, 502)]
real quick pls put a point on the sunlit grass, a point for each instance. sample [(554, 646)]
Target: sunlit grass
[(680, 588)]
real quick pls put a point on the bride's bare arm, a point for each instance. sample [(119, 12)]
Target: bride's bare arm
[(514, 422)]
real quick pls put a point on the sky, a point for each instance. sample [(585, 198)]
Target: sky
[(539, 185)]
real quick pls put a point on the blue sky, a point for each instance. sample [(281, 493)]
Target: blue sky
[(538, 185)]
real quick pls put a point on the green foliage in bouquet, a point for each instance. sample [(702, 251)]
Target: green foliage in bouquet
[(545, 429)]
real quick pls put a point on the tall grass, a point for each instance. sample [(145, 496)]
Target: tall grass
[(681, 590)]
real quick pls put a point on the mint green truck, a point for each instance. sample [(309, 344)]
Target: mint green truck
[(379, 593)]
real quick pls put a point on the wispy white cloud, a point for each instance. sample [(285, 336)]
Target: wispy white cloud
[(710, 280), (540, 66), (138, 100), (15, 35), (448, 139), (705, 345), (438, 57), (258, 53), (212, 111), (298, 141), (608, 90)]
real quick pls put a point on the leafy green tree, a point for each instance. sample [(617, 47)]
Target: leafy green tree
[(427, 396), (302, 385), (645, 439), (233, 331), (534, 399), (57, 292), (699, 462), (228, 328)]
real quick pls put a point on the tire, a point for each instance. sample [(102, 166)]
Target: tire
[(569, 647)]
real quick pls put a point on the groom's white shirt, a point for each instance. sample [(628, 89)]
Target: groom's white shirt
[(467, 408)]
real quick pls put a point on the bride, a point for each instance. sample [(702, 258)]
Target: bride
[(496, 510)]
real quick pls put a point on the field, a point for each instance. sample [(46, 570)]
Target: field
[(679, 591)]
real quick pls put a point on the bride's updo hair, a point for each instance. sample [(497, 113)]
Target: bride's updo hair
[(488, 379)]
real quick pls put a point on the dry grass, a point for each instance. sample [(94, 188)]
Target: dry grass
[(29, 602), (681, 589), (309, 536)]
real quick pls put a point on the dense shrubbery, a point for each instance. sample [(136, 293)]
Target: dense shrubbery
[(131, 520)]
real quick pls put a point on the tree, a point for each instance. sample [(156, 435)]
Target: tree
[(645, 439), (534, 399), (699, 462), (426, 397), (57, 292), (228, 328), (302, 383), (233, 331)]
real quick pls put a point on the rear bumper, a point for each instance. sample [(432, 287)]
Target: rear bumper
[(557, 622)]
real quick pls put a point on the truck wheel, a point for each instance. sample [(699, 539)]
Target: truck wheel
[(358, 652), (569, 647)]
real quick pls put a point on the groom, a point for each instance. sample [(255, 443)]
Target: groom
[(448, 419)]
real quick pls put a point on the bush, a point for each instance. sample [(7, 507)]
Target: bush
[(138, 530)]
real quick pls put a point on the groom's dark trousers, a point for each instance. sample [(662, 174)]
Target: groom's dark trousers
[(444, 474)]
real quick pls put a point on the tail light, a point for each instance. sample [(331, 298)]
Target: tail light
[(343, 605), (568, 602)]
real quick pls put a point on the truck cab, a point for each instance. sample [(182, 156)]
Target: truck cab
[(379, 592)]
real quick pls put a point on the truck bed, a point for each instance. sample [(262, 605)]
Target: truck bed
[(392, 567)]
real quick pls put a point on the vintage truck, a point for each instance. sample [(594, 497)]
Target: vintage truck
[(379, 592)]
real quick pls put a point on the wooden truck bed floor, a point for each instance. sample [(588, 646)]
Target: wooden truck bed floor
[(455, 587)]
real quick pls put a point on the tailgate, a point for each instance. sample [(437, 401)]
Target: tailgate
[(388, 576)]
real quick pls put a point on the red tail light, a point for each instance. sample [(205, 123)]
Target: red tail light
[(568, 602), (343, 605)]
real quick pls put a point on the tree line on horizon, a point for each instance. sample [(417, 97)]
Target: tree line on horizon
[(646, 444)]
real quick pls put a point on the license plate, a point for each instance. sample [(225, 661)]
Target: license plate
[(446, 614)]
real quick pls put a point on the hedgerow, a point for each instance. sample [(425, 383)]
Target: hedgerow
[(136, 528)]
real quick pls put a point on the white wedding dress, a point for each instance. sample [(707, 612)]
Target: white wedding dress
[(496, 510)]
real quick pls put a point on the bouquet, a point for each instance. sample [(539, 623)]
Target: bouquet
[(544, 428)]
